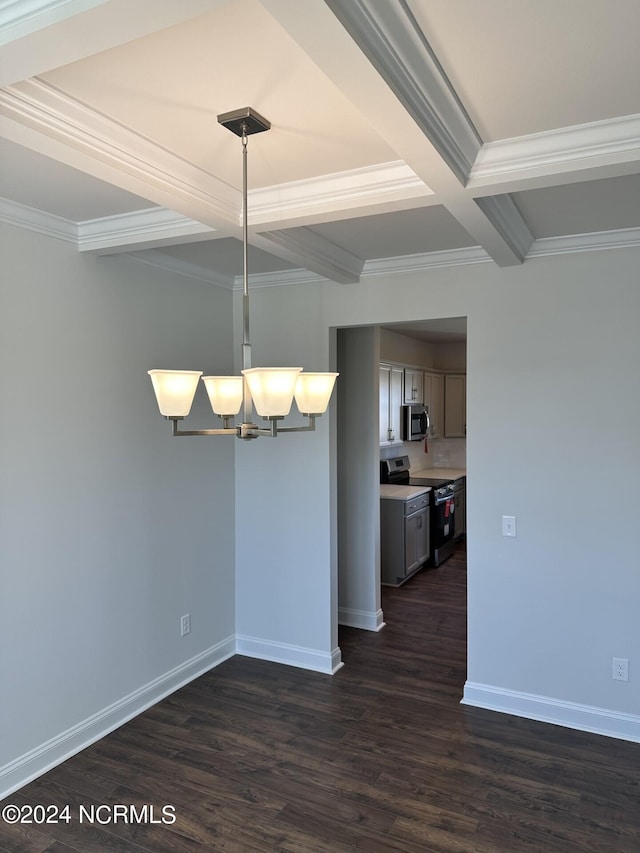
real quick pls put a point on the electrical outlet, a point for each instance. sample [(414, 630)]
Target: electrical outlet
[(620, 669), (508, 525), (185, 624)]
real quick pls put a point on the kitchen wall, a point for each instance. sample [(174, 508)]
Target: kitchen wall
[(553, 351), (110, 529), (401, 348)]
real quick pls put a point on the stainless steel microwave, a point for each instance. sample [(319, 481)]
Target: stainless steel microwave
[(415, 422)]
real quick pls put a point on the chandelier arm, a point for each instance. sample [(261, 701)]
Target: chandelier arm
[(222, 431), (310, 427)]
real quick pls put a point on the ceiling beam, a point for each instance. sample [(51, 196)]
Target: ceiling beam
[(305, 248), (391, 39), (432, 135), (40, 117)]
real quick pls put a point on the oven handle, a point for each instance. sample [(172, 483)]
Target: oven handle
[(440, 501)]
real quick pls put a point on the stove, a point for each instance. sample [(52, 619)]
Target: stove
[(397, 471)]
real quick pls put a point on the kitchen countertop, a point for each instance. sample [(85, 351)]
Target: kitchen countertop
[(402, 493), (439, 473)]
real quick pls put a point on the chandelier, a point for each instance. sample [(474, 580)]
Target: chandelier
[(270, 389)]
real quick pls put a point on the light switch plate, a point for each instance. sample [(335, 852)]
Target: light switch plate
[(508, 525)]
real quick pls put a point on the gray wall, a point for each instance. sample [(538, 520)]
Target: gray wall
[(552, 355), (110, 529), (358, 454)]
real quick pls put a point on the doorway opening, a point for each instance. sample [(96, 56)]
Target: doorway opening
[(431, 350)]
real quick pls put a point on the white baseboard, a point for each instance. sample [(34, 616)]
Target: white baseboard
[(365, 619), (253, 647), (37, 761), (584, 718)]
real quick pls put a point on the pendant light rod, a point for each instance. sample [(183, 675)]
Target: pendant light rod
[(246, 339)]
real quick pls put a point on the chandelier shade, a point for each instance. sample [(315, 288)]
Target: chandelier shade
[(272, 389), (313, 392), (225, 393), (175, 390)]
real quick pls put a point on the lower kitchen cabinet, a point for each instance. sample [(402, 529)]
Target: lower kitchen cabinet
[(404, 537)]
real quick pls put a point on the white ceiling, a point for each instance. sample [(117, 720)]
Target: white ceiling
[(404, 132)]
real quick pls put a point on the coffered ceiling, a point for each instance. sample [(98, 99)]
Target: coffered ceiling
[(405, 133)]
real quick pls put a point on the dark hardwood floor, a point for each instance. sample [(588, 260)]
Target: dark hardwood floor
[(380, 757)]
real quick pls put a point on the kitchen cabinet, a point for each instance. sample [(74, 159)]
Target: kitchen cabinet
[(404, 537), (455, 405), (413, 386), (391, 378), (434, 401)]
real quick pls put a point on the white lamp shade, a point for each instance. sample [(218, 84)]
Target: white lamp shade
[(272, 389), (313, 392), (175, 390), (225, 393)]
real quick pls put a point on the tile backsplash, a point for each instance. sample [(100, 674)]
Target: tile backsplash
[(442, 453)]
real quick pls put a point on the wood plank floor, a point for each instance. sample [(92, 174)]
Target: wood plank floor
[(380, 757)]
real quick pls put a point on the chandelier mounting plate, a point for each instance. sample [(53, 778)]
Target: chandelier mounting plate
[(246, 119)]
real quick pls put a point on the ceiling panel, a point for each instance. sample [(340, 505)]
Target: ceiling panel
[(224, 256), (171, 85), (37, 181), (404, 232), (525, 67), (604, 205)]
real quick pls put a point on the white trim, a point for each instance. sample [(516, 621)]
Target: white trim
[(364, 619), (619, 239), (425, 261), (18, 18), (253, 647), (22, 216), (56, 750), (149, 226), (567, 148), (279, 278), (37, 104), (571, 715), (382, 182)]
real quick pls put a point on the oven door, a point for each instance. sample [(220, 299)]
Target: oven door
[(443, 525)]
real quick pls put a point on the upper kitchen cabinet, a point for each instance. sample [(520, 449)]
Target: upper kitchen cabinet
[(455, 405), (413, 386), (434, 401), (391, 379)]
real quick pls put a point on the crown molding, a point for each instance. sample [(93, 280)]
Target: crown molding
[(21, 17), (599, 143), (622, 238), (380, 183), (279, 278), (23, 216), (390, 37), (54, 114), (425, 261), (49, 225), (143, 229)]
